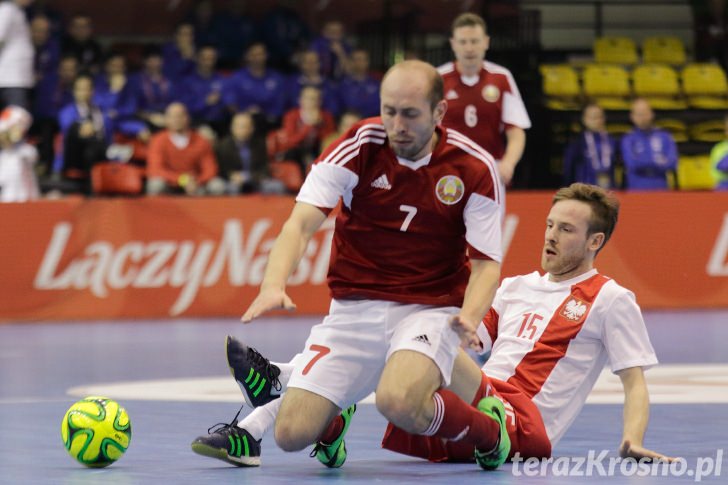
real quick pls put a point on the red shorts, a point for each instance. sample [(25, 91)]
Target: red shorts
[(524, 424)]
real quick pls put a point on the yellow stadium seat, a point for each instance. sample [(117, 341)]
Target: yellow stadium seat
[(693, 173), (615, 50), (705, 86), (658, 83), (712, 131), (608, 85), (664, 50), (561, 87), (678, 129)]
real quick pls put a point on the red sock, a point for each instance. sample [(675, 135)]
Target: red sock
[(456, 420), (332, 431)]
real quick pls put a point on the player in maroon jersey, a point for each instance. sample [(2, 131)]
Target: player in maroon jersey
[(482, 97), (416, 251)]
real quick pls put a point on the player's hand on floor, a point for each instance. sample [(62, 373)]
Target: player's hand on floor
[(466, 331), (270, 299), (629, 450)]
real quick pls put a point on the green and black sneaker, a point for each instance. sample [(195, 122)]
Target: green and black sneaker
[(229, 443), (494, 409), (333, 455), (256, 375)]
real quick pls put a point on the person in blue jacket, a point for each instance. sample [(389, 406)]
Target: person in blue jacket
[(590, 157), (649, 153), (202, 92), (256, 88), (359, 89)]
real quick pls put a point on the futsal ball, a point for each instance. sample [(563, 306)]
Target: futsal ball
[(96, 431)]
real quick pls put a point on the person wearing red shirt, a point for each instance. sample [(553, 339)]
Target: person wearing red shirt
[(180, 160), (483, 101), (415, 264)]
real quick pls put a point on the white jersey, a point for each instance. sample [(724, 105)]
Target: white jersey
[(17, 178), (552, 340), (16, 48)]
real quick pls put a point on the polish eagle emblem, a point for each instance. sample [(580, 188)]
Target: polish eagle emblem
[(574, 309)]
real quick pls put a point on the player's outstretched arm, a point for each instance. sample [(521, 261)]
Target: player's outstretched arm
[(479, 294), (636, 416), (287, 250)]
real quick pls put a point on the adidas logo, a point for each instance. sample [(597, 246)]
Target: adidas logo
[(451, 94), (381, 183), (422, 338)]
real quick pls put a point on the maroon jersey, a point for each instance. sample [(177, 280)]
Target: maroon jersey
[(483, 107), (405, 226)]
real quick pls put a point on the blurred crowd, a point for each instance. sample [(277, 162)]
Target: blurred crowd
[(227, 105)]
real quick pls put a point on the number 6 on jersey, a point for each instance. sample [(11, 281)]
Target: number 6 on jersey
[(411, 211)]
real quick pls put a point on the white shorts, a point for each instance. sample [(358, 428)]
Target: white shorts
[(345, 354)]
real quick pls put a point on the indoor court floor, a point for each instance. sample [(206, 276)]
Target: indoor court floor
[(173, 379)]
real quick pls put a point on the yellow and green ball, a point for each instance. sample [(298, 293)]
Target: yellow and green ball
[(96, 431)]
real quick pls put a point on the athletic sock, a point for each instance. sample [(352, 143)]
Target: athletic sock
[(286, 371), (261, 419), (456, 420), (336, 426)]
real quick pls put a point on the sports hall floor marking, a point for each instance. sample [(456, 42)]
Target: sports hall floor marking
[(668, 384)]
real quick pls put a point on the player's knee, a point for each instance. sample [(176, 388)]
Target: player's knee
[(397, 408), (289, 437)]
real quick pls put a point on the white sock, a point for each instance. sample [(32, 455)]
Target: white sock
[(286, 371), (260, 420)]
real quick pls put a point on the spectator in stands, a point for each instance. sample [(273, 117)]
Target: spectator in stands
[(179, 55), (52, 93), (346, 121), (590, 157), (117, 98), (202, 91), (16, 55), (719, 161), (180, 160), (333, 50), (243, 159), (86, 134), (47, 48), (237, 30), (284, 33), (310, 75), (304, 129), (80, 43), (359, 89), (257, 88), (154, 90), (649, 153), (17, 157)]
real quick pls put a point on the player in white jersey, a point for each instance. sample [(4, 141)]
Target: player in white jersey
[(549, 335)]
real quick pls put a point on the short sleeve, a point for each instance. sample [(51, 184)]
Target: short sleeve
[(625, 336)]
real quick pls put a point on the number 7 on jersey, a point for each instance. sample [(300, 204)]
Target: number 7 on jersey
[(411, 211)]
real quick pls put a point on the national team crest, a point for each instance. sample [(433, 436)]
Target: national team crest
[(450, 189), (491, 93), (574, 309)]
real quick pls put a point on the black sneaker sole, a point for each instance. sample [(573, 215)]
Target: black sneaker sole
[(222, 454), (252, 401)]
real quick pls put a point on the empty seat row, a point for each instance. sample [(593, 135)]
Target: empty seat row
[(697, 85), (623, 50)]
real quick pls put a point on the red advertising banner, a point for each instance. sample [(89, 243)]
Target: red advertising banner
[(166, 257)]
